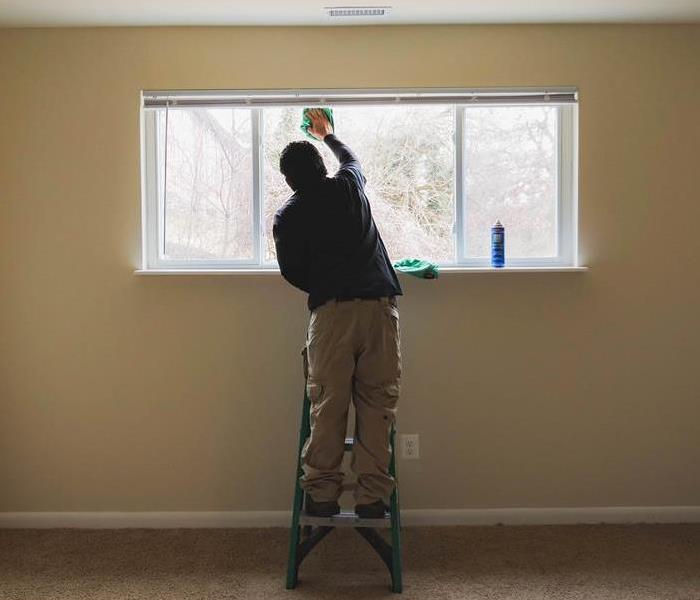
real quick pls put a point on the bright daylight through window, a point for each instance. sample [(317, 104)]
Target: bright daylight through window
[(441, 169)]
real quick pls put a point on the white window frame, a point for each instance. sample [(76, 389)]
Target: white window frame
[(566, 99)]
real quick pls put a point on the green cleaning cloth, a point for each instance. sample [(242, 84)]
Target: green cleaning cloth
[(306, 122), (417, 268)]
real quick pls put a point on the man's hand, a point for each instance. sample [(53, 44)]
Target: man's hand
[(320, 125)]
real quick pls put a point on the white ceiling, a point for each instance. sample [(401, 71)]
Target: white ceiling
[(18, 13)]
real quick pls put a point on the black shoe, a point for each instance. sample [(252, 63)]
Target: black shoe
[(321, 509), (375, 510)]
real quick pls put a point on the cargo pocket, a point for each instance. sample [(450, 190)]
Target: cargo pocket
[(392, 341), (392, 313), (314, 391), (391, 393)]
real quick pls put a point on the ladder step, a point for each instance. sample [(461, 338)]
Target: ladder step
[(349, 443), (344, 519)]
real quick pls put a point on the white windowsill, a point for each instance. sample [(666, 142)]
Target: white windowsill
[(206, 272), (447, 270), (443, 271)]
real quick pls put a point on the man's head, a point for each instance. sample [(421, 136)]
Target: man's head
[(302, 165)]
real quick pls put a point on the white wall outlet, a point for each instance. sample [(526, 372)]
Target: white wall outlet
[(410, 448)]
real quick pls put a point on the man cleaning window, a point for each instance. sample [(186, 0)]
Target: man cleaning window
[(328, 246)]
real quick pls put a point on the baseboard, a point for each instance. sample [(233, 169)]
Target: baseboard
[(553, 516), (149, 520), (410, 517)]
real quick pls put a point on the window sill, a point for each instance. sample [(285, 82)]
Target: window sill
[(448, 270), (443, 271), (147, 272)]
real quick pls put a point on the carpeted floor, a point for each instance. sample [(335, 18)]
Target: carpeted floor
[(554, 562)]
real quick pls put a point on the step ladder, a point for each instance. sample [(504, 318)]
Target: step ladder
[(307, 531)]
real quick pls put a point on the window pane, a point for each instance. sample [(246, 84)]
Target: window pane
[(511, 176), (407, 153), (208, 203)]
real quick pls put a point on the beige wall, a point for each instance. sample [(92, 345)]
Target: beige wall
[(182, 393)]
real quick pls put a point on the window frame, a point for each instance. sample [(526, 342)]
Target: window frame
[(567, 214), (153, 213)]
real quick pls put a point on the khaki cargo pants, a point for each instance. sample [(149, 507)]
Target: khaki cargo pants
[(353, 353)]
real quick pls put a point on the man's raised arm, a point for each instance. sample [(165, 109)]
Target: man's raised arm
[(322, 129), (346, 157)]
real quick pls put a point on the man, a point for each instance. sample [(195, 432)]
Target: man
[(328, 246)]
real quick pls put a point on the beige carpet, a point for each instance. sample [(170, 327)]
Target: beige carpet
[(563, 562)]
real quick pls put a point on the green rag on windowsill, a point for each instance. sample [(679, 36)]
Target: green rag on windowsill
[(306, 122), (417, 267)]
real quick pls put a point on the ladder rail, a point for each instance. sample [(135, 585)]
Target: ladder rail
[(395, 517), (298, 502)]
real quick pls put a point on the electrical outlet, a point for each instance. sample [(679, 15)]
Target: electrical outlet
[(410, 448)]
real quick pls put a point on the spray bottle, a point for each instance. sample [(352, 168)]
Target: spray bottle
[(498, 246)]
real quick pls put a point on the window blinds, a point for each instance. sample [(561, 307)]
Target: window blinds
[(261, 98)]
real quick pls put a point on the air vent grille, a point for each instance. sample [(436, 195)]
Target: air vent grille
[(357, 11)]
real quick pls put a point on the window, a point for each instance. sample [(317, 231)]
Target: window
[(442, 166)]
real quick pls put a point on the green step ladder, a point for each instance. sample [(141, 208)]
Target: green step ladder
[(307, 531)]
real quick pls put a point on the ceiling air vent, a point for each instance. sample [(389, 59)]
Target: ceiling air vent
[(357, 11)]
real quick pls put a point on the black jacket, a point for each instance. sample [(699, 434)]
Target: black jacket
[(327, 242)]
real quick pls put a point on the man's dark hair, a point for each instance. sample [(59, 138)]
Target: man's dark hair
[(302, 164)]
